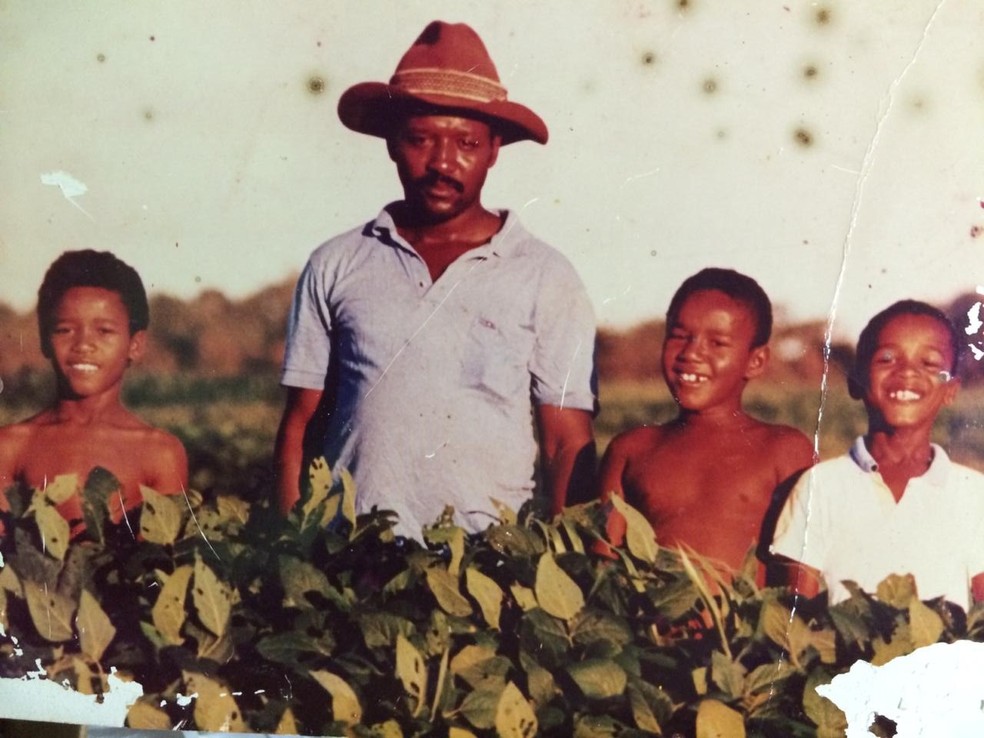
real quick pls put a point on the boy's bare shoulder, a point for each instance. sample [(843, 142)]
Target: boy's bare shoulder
[(790, 447), (637, 441)]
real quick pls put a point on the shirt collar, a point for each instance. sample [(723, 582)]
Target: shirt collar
[(935, 475), (503, 242)]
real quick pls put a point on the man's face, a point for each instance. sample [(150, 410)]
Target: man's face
[(708, 354), (442, 161), (908, 379)]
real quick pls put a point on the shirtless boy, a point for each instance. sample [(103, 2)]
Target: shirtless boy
[(705, 479), (93, 317), (895, 503)]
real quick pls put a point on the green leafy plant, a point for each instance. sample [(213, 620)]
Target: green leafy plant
[(325, 623)]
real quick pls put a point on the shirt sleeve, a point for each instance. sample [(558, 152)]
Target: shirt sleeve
[(308, 346), (563, 362), (799, 534)]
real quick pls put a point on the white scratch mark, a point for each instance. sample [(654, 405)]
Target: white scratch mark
[(974, 321), (980, 289), (69, 186), (198, 525), (126, 518), (641, 175), (567, 377), (185, 700), (845, 169), (867, 162)]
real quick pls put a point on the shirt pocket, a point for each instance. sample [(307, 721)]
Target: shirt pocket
[(496, 360)]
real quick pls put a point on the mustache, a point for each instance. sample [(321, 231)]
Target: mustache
[(433, 178)]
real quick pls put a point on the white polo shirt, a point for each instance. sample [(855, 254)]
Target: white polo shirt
[(842, 519)]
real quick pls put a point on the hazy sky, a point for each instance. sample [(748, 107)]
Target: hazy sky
[(785, 139)]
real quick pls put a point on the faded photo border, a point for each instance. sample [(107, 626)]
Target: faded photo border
[(828, 150)]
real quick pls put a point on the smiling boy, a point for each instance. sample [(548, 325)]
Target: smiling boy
[(895, 503), (92, 317), (705, 479)]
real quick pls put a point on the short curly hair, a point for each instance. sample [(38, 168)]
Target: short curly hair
[(738, 287), (868, 340), (88, 268)]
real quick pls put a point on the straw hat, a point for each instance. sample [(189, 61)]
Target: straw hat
[(447, 69)]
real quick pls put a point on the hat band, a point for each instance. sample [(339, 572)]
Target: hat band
[(449, 83)]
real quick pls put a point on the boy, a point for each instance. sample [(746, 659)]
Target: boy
[(705, 479), (92, 317), (894, 503)]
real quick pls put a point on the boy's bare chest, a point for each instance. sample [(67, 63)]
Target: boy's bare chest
[(55, 450)]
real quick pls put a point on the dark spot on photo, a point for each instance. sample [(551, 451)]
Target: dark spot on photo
[(810, 71), (649, 58), (653, 252), (100, 58), (976, 231), (710, 85), (918, 103), (803, 136), (823, 16), (153, 38), (684, 4), (148, 114), (721, 134), (316, 85)]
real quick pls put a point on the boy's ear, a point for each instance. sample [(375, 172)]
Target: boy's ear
[(138, 342), (758, 359), (950, 390)]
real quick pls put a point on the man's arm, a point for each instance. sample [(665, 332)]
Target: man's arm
[(802, 579), (289, 450), (567, 453)]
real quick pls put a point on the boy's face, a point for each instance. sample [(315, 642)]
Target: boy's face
[(908, 379), (90, 342), (708, 354)]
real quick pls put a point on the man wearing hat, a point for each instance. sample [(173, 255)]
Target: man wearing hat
[(440, 340)]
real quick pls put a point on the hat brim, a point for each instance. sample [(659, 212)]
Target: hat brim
[(374, 108)]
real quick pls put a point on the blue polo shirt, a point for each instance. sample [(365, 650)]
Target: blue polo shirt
[(433, 383)]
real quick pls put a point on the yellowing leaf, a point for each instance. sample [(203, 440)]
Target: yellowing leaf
[(215, 707), (639, 534), (287, 724), (4, 621), (168, 613), (145, 715), (344, 702), (717, 720), (897, 590), (319, 479), (925, 625), (160, 517), (348, 497), (54, 530), (63, 487), (412, 671), (445, 589), (699, 677), (212, 598), (524, 596), (487, 594), (95, 629), (899, 645), (556, 592), (598, 678), (507, 516), (50, 612), (514, 718), (457, 732)]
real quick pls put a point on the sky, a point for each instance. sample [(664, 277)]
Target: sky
[(828, 149)]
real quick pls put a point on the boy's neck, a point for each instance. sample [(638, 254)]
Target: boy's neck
[(900, 448), (88, 410), (716, 419)]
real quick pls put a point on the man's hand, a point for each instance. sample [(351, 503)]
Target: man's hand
[(567, 452), (289, 450)]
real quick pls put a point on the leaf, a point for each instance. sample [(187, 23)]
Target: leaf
[(54, 529), (168, 613), (651, 706), (319, 485), (639, 535), (4, 620), (287, 725), (298, 577), (897, 590), (94, 627), (212, 598), (444, 586), (600, 626), (514, 718), (160, 517), (380, 629), (598, 678), (412, 672), (457, 732), (728, 675), (146, 715), (539, 681), (287, 648), (556, 592), (524, 596), (348, 497), (828, 718), (925, 625), (487, 594), (344, 702), (699, 678), (100, 487), (215, 708), (62, 488), (50, 611), (716, 720), (480, 706), (900, 644)]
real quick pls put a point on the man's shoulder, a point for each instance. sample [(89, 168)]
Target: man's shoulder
[(343, 242)]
